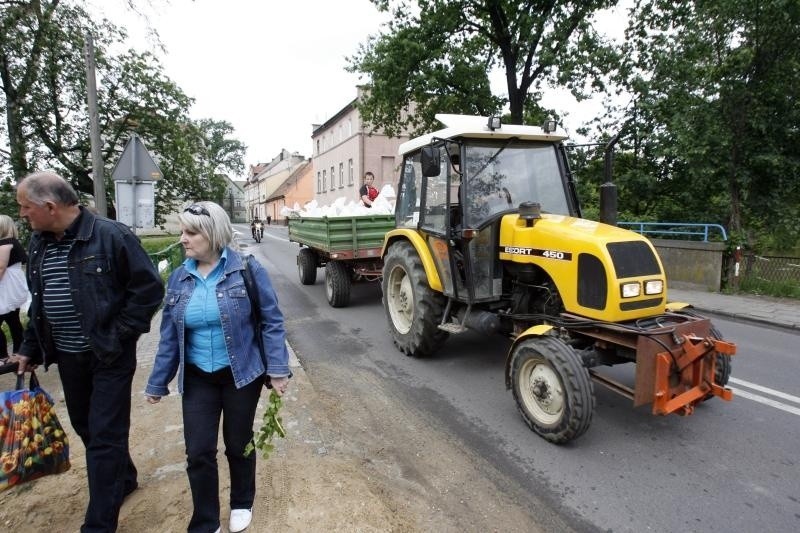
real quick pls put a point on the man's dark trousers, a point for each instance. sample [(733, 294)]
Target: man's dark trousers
[(98, 397)]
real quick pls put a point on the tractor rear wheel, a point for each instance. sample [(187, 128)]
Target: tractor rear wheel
[(337, 284), (413, 309), (307, 266), (552, 388)]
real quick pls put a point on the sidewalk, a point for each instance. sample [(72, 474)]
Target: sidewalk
[(308, 481), (779, 312)]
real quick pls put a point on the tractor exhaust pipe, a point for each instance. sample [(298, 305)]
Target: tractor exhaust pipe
[(608, 191)]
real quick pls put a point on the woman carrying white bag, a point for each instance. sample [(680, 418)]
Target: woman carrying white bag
[(13, 287)]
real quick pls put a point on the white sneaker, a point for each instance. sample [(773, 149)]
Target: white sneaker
[(240, 519)]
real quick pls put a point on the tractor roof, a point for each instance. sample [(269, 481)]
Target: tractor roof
[(474, 127)]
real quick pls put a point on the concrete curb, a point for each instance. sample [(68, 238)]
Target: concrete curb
[(743, 317)]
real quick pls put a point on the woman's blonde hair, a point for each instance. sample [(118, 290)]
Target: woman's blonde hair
[(8, 228), (214, 226)]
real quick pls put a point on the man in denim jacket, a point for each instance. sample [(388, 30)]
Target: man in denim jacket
[(94, 290)]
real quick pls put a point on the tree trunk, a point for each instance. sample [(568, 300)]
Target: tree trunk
[(735, 192), (16, 141), (516, 104), (16, 90)]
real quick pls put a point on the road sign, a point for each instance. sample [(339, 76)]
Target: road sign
[(133, 177), (136, 163), (135, 203)]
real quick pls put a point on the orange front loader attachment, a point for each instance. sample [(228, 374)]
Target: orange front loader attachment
[(675, 370), (676, 363), (695, 368)]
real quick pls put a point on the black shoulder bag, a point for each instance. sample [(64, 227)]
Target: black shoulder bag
[(255, 308)]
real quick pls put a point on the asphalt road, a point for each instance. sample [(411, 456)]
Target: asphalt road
[(729, 467)]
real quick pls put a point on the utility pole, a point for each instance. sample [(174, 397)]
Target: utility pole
[(94, 130)]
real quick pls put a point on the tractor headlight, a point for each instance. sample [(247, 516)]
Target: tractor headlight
[(631, 290), (654, 286)]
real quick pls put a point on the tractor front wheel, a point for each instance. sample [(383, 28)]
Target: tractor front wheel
[(722, 368), (722, 365), (552, 388)]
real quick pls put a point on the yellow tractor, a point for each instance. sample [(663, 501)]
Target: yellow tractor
[(489, 237)]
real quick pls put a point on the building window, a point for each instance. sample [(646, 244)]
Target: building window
[(317, 146), (349, 127), (324, 182), (341, 175), (350, 171), (333, 178)]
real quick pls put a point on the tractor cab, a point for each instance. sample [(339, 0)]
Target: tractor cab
[(458, 183)]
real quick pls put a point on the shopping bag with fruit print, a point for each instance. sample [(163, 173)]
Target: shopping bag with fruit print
[(32, 442)]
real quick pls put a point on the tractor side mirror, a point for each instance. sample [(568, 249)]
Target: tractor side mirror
[(429, 161)]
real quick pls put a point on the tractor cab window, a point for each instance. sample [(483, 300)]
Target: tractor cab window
[(500, 175), (436, 203), (408, 199)]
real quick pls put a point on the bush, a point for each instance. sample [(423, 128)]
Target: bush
[(164, 248)]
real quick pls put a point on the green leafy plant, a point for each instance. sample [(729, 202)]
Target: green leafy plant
[(272, 424)]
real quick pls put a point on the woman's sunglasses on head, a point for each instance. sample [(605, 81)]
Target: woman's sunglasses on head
[(196, 209)]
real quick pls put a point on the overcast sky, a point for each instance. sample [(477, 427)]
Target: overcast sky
[(270, 68)]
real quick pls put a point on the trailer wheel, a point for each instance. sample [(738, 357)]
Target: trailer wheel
[(552, 388), (414, 310), (307, 266), (337, 284)]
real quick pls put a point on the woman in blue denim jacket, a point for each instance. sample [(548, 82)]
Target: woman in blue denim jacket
[(208, 339)]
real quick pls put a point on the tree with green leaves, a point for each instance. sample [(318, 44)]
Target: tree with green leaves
[(43, 82), (714, 115), (435, 57)]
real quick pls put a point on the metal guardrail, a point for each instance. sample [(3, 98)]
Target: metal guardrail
[(174, 256), (682, 229)]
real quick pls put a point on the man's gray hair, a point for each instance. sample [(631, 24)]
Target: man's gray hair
[(47, 186)]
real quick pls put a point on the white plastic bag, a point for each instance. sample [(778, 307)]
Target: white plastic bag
[(13, 289)]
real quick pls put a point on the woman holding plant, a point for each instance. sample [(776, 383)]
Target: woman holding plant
[(208, 339)]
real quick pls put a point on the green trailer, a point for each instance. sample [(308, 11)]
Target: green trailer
[(349, 248)]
